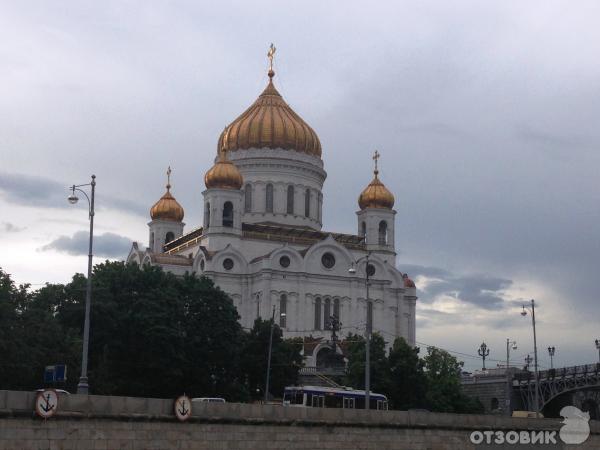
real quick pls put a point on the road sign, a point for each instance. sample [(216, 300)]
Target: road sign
[(55, 374), (183, 408), (46, 403)]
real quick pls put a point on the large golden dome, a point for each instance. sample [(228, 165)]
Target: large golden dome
[(376, 195), (224, 174), (167, 207), (270, 123)]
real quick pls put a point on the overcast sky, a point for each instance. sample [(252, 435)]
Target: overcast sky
[(486, 115)]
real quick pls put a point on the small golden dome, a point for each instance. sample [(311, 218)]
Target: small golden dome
[(224, 174), (376, 195), (167, 207), (270, 123)]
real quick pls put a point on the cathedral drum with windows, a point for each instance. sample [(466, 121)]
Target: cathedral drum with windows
[(262, 243)]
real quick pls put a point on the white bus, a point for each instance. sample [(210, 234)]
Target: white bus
[(327, 397)]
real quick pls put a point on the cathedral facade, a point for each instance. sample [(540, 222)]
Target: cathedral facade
[(262, 240)]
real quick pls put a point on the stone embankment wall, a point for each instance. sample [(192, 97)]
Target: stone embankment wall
[(99, 422)]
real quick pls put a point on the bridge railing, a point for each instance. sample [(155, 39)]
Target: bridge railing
[(562, 372), (331, 371)]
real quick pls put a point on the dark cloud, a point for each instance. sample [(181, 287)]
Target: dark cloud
[(11, 228), (43, 192), (545, 139), (32, 190), (474, 117), (107, 245), (480, 290)]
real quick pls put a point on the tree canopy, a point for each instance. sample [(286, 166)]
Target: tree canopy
[(152, 334), (409, 381)]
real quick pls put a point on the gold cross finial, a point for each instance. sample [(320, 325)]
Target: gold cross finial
[(271, 55), (376, 156), (225, 142), (169, 178)]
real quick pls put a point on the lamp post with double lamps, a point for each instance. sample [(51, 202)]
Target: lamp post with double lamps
[(270, 353), (535, 356), (484, 352), (551, 351), (83, 385), (369, 328)]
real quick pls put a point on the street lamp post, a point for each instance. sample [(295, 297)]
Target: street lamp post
[(535, 357), (598, 348), (551, 351), (369, 329), (270, 352), (483, 351), (509, 344), (528, 360), (83, 386)]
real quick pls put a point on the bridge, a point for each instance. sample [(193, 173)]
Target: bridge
[(502, 391), (554, 382)]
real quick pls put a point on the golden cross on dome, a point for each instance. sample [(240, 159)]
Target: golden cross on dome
[(271, 55), (376, 156), (169, 177), (224, 143)]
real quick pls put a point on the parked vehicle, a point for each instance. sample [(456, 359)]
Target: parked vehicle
[(58, 391), (326, 397), (526, 414), (208, 400)]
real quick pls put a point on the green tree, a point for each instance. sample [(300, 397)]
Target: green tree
[(380, 370), (407, 377), (444, 392), (30, 335), (152, 333), (285, 359)]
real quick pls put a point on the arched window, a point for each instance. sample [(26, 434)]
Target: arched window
[(318, 314), (207, 216), (320, 207), (336, 308), (248, 198), (269, 199), (169, 237), (152, 240), (307, 203), (283, 311), (228, 214), (327, 313), (363, 230), (290, 199), (383, 236)]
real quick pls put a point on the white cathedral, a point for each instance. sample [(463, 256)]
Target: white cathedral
[(262, 242)]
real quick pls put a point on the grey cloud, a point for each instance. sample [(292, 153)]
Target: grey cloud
[(11, 228), (32, 190), (566, 143), (481, 290), (108, 245), (44, 192), (473, 116)]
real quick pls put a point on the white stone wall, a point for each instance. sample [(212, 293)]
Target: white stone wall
[(281, 168), (157, 232)]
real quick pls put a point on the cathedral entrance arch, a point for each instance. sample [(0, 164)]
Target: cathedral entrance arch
[(328, 359)]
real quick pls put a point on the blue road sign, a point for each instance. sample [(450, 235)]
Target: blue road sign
[(55, 374)]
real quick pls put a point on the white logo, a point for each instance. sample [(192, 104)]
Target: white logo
[(576, 428)]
